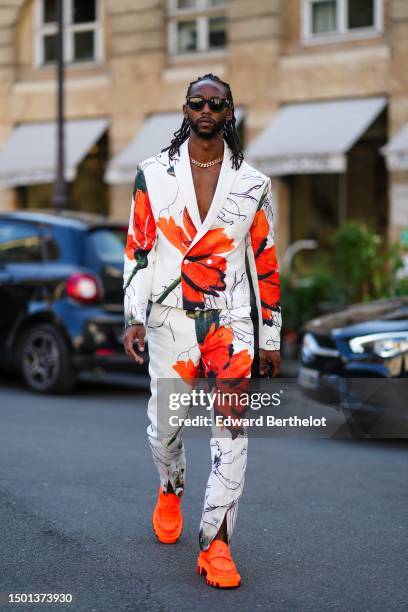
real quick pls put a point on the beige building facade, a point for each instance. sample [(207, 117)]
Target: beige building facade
[(131, 60)]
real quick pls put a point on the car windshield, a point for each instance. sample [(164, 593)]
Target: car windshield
[(109, 243)]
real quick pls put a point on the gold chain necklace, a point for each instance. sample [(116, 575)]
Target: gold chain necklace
[(207, 164)]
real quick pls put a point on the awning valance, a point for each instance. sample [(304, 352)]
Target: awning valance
[(312, 137), (396, 151), (30, 155), (156, 134)]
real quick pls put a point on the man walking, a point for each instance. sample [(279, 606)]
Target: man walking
[(197, 208)]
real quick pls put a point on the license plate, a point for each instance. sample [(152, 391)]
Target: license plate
[(309, 378)]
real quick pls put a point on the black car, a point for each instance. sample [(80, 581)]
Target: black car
[(358, 357), (61, 291)]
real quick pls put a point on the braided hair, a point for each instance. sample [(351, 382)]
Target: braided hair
[(230, 134)]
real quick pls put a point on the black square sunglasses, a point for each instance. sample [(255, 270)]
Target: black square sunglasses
[(215, 103)]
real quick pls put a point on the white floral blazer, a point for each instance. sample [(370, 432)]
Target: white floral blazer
[(173, 258)]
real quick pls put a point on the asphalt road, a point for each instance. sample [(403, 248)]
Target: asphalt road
[(322, 523)]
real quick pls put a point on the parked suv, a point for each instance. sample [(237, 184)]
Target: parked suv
[(61, 278)]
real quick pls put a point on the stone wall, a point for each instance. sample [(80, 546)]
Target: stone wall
[(265, 63)]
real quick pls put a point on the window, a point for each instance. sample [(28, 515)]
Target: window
[(186, 36), (330, 20), (323, 17), (108, 243), (196, 26), (360, 14), (19, 243), (82, 31), (216, 32)]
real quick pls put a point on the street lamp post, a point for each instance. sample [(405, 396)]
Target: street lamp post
[(60, 193)]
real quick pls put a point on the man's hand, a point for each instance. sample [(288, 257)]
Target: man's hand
[(269, 362), (133, 333)]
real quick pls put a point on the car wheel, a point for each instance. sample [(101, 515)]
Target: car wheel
[(45, 360)]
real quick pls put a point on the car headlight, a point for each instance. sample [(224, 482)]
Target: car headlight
[(308, 348), (385, 345), (311, 348)]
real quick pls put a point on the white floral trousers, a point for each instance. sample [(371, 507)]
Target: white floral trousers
[(212, 344)]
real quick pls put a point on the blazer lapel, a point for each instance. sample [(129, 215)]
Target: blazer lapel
[(184, 177)]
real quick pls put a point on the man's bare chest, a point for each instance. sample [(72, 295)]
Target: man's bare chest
[(205, 184)]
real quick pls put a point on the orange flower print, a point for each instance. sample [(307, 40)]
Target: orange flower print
[(131, 246), (259, 232), (142, 231), (144, 225), (230, 371), (218, 357), (203, 269), (187, 370), (188, 224), (266, 266), (178, 236), (269, 283)]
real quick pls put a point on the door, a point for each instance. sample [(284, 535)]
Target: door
[(20, 248)]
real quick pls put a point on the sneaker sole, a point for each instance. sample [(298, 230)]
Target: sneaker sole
[(223, 583)]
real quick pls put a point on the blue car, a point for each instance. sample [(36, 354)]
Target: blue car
[(61, 277), (358, 358)]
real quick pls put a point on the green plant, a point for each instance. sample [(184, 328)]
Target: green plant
[(301, 298), (364, 268), (401, 287), (358, 268)]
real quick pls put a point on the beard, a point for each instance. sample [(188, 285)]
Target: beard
[(207, 134)]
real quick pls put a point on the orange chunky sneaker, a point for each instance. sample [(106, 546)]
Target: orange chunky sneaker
[(217, 566), (167, 518)]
